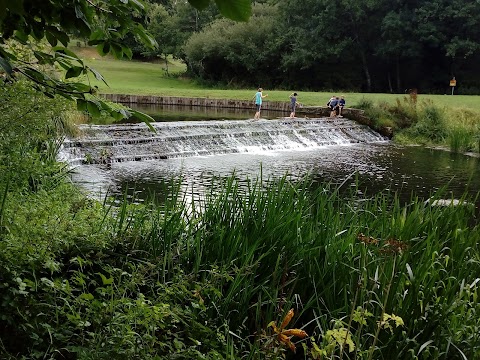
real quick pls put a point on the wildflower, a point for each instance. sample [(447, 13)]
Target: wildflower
[(367, 240), (284, 335), (393, 246)]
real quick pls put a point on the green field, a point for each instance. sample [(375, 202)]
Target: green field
[(142, 78)]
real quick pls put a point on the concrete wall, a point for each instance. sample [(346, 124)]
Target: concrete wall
[(283, 106)]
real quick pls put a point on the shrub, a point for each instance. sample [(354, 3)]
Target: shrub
[(461, 139), (31, 129), (431, 123), (404, 113)]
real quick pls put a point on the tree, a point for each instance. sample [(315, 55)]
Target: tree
[(105, 23), (451, 27), (237, 53), (398, 44)]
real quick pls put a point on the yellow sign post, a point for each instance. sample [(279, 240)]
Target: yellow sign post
[(453, 83)]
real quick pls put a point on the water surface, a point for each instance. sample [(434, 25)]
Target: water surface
[(377, 167)]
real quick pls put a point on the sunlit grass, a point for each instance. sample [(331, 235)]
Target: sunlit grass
[(143, 78)]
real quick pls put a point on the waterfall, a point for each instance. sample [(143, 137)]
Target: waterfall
[(106, 144)]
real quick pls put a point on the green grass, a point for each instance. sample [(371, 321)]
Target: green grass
[(142, 78)]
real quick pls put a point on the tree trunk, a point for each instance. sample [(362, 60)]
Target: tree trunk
[(389, 78), (367, 72), (399, 83)]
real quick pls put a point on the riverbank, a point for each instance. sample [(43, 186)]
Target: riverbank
[(143, 78), (216, 279)]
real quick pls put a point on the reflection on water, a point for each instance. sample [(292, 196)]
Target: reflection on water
[(381, 167), (378, 167), (191, 113)]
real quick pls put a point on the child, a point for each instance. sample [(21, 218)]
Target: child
[(293, 104), (258, 102), (341, 105), (332, 104)]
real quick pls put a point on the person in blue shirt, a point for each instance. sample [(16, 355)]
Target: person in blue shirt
[(332, 104), (293, 104), (258, 102)]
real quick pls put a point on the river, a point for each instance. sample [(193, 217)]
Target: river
[(374, 167)]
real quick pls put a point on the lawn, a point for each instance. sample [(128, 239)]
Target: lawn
[(144, 78)]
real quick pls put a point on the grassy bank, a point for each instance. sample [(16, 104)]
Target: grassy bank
[(366, 279), (435, 120), (142, 78)]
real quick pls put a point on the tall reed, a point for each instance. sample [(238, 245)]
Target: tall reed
[(269, 245), (461, 139)]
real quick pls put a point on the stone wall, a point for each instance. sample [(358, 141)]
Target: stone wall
[(281, 106)]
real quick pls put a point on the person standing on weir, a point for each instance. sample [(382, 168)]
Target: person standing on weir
[(258, 102), (293, 104), (341, 105)]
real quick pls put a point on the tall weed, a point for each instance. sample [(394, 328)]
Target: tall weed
[(461, 140), (276, 245), (431, 123)]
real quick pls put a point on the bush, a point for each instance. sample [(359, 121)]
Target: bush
[(461, 139), (431, 124), (31, 131)]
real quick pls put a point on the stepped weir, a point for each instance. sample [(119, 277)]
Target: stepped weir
[(106, 144)]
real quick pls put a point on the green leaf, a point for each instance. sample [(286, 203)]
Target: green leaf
[(117, 51), (7, 55), (199, 4), (103, 48), (93, 109), (52, 40), (86, 296), (21, 36), (65, 51), (137, 4), (38, 32), (43, 58), (239, 10), (66, 95), (35, 75), (6, 66), (74, 71), (126, 114), (106, 281), (59, 35), (96, 35), (143, 117), (80, 15), (117, 115), (146, 39), (77, 87), (81, 105), (128, 52), (97, 75)]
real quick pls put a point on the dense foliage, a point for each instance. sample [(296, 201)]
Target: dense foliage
[(26, 24), (215, 278), (375, 45)]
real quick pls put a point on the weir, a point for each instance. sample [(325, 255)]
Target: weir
[(106, 144)]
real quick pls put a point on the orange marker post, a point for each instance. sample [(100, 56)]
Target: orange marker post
[(453, 83)]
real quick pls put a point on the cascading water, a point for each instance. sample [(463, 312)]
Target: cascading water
[(136, 142)]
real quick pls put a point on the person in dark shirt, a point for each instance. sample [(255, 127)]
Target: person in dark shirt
[(341, 105), (293, 104)]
